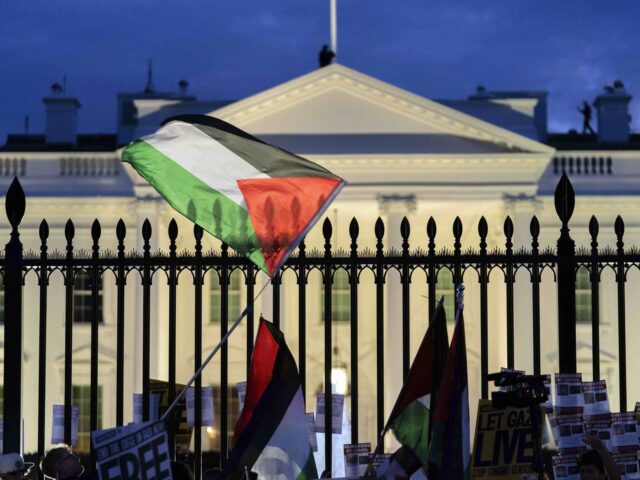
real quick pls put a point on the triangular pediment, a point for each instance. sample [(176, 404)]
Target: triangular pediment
[(339, 110)]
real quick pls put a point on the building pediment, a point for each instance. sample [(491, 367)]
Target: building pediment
[(337, 110)]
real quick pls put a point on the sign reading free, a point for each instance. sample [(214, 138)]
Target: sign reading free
[(503, 447)]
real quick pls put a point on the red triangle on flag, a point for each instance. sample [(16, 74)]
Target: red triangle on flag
[(281, 208)]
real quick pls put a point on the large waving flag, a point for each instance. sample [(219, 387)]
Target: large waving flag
[(411, 414), (271, 434), (450, 450), (259, 199)]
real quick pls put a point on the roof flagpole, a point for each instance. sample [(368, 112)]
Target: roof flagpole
[(334, 26)]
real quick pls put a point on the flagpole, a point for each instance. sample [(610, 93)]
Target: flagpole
[(212, 354)]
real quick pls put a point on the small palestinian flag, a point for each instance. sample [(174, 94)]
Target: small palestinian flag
[(271, 435), (411, 415), (258, 199)]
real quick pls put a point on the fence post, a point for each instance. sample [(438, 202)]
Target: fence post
[(12, 414), (565, 203)]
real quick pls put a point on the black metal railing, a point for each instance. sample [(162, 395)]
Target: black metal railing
[(564, 262)]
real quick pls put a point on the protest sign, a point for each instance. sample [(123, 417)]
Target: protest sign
[(378, 459), (242, 393), (181, 429), (570, 431), (206, 407), (599, 426), (627, 464), (337, 404), (565, 467), (311, 425), (356, 459), (503, 447), (569, 389), (57, 428), (154, 407), (595, 397), (135, 452), (624, 430)]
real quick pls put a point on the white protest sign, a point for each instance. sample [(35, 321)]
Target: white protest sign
[(356, 459), (624, 430), (565, 467), (311, 425), (599, 426), (595, 397), (134, 452), (570, 431), (206, 406), (569, 389), (57, 429), (337, 405), (242, 393), (627, 464), (154, 407)]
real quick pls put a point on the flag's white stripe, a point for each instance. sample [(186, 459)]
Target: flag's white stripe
[(288, 449), (425, 401), (204, 157)]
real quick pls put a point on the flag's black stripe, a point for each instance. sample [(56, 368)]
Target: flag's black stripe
[(268, 414), (269, 159)]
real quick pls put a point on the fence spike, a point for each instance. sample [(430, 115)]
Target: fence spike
[(15, 203), (327, 230), (594, 229), (405, 229), (534, 229), (457, 233), (508, 233), (69, 232), (619, 229), (432, 229), (379, 231), (198, 232), (43, 231), (146, 235), (564, 199), (483, 230), (354, 229), (96, 231), (173, 231)]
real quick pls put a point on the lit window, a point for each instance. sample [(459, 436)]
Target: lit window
[(82, 299), (82, 398), (234, 297), (583, 296), (340, 298)]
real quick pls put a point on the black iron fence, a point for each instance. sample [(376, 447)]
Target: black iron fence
[(564, 261)]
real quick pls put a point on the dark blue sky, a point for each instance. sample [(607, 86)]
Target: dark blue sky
[(233, 48)]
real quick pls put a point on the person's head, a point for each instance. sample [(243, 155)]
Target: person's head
[(60, 463), (13, 467), (180, 471), (325, 47), (591, 467)]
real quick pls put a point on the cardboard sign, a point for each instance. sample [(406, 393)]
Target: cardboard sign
[(356, 459), (627, 464), (137, 451), (337, 405), (595, 398), (565, 467), (503, 447), (599, 426), (570, 432), (569, 390), (57, 430), (206, 407), (624, 430), (311, 425)]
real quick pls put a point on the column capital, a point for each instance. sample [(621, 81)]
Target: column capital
[(397, 204)]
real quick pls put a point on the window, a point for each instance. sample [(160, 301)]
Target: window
[(583, 296), (446, 288), (82, 398), (233, 412), (215, 296), (82, 299), (340, 298)]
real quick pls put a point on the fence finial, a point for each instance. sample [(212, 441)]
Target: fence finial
[(15, 203), (565, 200)]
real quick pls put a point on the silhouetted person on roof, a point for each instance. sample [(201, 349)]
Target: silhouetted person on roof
[(326, 56), (586, 118)]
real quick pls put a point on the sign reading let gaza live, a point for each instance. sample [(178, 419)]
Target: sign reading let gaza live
[(503, 447)]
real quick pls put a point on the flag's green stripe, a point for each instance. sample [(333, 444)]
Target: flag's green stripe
[(411, 428), (309, 470), (196, 200), (266, 158)]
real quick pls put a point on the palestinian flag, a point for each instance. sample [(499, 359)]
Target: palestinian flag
[(410, 417), (449, 452), (258, 199), (271, 435), (400, 466)]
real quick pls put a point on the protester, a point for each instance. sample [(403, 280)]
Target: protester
[(60, 463), (13, 467), (597, 464)]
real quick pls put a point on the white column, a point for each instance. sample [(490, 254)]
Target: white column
[(521, 209), (395, 208)]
